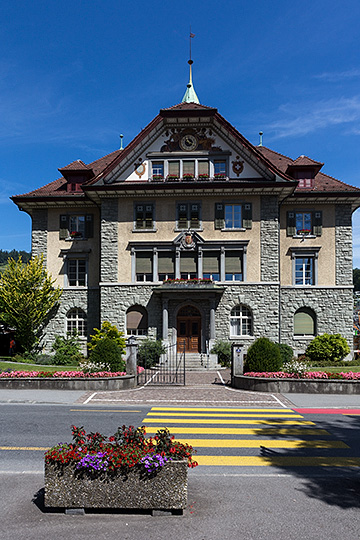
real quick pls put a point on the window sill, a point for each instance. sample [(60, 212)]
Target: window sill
[(144, 230), (73, 239), (228, 229), (200, 229), (303, 236), (305, 336), (245, 337), (82, 287)]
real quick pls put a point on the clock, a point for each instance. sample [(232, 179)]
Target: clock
[(188, 143)]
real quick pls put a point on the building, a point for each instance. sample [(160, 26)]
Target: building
[(261, 242)]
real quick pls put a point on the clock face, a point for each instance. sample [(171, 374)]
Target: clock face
[(140, 169), (188, 143)]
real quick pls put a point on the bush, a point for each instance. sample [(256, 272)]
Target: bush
[(330, 347), (44, 359), (149, 352), (223, 350), (297, 367), (263, 355), (109, 331), (67, 350), (286, 352), (107, 351)]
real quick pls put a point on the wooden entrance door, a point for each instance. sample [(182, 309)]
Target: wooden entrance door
[(189, 329)]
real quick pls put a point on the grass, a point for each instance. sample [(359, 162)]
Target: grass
[(17, 366), (338, 369)]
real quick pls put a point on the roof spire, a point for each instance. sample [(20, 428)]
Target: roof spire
[(190, 94)]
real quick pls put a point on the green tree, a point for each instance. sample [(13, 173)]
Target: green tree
[(356, 279), (331, 347), (67, 350), (108, 351), (149, 352), (27, 296)]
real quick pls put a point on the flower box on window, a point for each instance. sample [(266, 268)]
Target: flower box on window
[(203, 176), (75, 234), (157, 178), (172, 178), (304, 231), (188, 176), (220, 176)]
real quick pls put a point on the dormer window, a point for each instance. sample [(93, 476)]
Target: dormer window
[(305, 178)]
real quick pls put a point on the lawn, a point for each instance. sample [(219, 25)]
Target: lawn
[(17, 366), (340, 369)]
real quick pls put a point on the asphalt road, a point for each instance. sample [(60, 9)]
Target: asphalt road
[(271, 499)]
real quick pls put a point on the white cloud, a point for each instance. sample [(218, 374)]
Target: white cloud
[(338, 76), (296, 119)]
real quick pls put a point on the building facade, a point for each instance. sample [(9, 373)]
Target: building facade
[(192, 234)]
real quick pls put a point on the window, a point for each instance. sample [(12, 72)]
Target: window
[(304, 271), (136, 321), (304, 223), (174, 169), (188, 265), (189, 169), (211, 265), (188, 216), (219, 168), (233, 266), (240, 321), (233, 216), (158, 170), (77, 272), (76, 321), (143, 266), (144, 216), (305, 178), (304, 322), (203, 168), (166, 269), (73, 226)]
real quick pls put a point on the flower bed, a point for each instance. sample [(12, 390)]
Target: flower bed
[(124, 471), (63, 374), (348, 376)]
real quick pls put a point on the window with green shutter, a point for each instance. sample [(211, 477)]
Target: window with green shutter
[(144, 216), (304, 322), (304, 223), (233, 216)]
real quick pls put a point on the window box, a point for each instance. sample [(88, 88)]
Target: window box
[(188, 177), (220, 176), (172, 178), (203, 177), (157, 178)]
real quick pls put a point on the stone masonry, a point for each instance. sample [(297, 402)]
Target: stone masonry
[(269, 238)]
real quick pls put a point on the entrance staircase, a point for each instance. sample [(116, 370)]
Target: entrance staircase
[(201, 362)]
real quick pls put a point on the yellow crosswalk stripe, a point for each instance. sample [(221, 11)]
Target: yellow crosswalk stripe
[(257, 443), (42, 448), (277, 421), (226, 415), (218, 409), (243, 431), (278, 461)]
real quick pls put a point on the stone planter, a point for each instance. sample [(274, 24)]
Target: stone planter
[(65, 487)]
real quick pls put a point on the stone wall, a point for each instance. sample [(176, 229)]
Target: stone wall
[(269, 238), (39, 233), (109, 240), (343, 244), (333, 307)]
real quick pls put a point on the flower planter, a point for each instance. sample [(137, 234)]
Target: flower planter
[(66, 487)]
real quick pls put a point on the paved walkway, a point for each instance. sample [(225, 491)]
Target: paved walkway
[(202, 388)]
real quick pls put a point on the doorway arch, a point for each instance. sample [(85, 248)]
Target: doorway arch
[(188, 324)]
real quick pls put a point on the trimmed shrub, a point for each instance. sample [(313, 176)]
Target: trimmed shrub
[(263, 355), (286, 352), (107, 352), (330, 347), (223, 351), (149, 352), (110, 331), (67, 351)]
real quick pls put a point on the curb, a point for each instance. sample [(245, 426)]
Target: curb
[(296, 386)]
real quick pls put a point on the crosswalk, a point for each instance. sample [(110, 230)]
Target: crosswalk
[(272, 437)]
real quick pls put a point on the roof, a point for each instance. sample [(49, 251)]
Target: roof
[(322, 182), (277, 164)]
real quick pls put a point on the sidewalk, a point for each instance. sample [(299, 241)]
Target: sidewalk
[(202, 389)]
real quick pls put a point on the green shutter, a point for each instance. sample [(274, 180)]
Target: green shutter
[(219, 216), (143, 263), (64, 227), (303, 324), (317, 223), (165, 263), (290, 223), (247, 216), (89, 226), (188, 262), (233, 262), (210, 262)]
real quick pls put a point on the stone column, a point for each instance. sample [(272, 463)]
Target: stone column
[(165, 319)]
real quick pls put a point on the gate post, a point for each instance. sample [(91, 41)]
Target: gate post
[(237, 360), (131, 357)]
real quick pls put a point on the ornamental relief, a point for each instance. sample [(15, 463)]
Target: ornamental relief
[(189, 140)]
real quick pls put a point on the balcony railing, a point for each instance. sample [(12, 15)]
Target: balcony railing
[(189, 178)]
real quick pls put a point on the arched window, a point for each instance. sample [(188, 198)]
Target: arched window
[(136, 321), (241, 321), (304, 322), (76, 321)]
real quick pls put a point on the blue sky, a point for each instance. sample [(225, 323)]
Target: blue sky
[(74, 75)]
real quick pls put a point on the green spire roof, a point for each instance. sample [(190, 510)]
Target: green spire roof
[(190, 94)]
